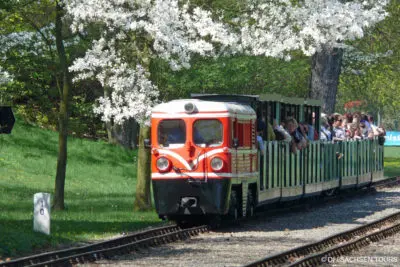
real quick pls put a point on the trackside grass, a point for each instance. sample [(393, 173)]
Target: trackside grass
[(392, 161), (99, 191)]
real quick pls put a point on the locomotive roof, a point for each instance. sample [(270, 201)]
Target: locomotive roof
[(178, 106), (250, 99)]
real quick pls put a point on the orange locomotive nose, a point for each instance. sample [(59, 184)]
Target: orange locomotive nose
[(196, 140)]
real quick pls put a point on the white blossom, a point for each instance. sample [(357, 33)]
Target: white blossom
[(273, 28), (176, 31), (131, 97), (5, 76)]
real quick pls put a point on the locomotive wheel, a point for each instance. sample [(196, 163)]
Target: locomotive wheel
[(234, 210), (250, 204)]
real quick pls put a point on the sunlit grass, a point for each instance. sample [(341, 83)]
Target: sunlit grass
[(99, 191), (392, 161)]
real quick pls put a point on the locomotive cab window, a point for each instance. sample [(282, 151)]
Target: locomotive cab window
[(207, 133), (171, 133)]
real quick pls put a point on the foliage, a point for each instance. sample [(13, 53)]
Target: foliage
[(27, 166), (372, 70), (27, 52), (234, 75)]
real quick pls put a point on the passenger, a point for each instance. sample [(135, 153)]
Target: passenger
[(302, 131), (311, 132), (377, 131), (331, 120), (280, 133), (326, 135), (316, 134), (349, 118), (357, 132), (296, 143), (340, 133), (260, 141), (366, 130)]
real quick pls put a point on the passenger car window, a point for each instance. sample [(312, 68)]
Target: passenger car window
[(171, 132), (207, 133)]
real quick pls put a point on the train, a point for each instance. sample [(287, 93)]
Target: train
[(205, 162)]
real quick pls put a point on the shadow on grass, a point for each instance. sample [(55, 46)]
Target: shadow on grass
[(34, 141), (74, 200)]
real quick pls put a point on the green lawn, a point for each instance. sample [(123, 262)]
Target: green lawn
[(99, 191), (392, 161)]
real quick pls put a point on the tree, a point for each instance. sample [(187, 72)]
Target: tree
[(33, 35), (58, 202), (370, 70), (135, 33), (317, 28)]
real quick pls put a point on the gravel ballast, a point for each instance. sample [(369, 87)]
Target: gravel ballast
[(256, 239)]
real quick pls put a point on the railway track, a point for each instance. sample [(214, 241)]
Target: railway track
[(137, 241), (334, 246), (393, 181), (109, 248)]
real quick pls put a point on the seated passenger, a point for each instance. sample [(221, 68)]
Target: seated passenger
[(377, 131), (340, 133), (325, 133), (260, 141), (366, 130), (280, 133), (297, 142)]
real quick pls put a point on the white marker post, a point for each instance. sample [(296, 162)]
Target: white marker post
[(41, 213)]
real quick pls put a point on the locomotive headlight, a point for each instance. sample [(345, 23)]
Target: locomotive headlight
[(217, 164), (189, 107), (162, 164)]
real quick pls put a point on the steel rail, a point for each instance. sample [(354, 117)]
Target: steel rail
[(109, 248), (126, 243), (323, 257), (313, 253), (390, 182)]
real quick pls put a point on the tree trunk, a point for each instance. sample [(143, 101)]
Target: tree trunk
[(125, 134), (325, 71), (143, 197), (58, 203)]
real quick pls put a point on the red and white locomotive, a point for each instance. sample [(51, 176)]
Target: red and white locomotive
[(200, 149)]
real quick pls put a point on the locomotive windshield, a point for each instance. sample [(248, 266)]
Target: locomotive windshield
[(171, 132), (207, 133)]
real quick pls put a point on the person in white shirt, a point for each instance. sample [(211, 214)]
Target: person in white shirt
[(340, 133)]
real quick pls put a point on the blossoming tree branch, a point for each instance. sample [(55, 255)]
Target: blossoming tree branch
[(133, 33), (318, 28)]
